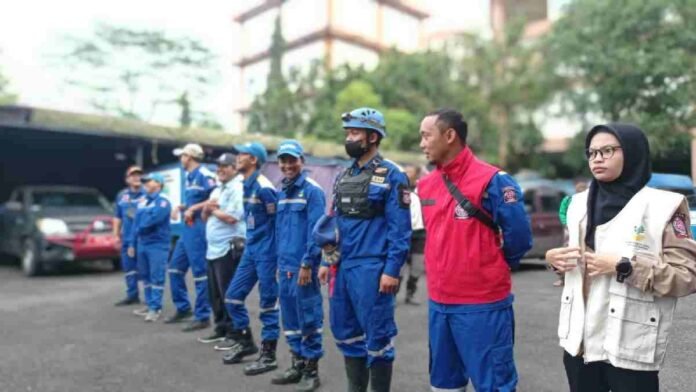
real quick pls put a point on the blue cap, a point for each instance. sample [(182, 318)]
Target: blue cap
[(255, 149), (365, 118), (291, 147), (154, 177), (325, 231)]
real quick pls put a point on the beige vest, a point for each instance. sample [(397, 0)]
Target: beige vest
[(619, 323)]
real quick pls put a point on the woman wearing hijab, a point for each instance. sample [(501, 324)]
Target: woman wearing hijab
[(629, 256)]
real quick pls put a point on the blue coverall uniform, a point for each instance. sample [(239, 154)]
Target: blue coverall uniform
[(300, 205), (191, 248), (362, 318), (126, 205), (493, 322), (259, 261), (151, 237)]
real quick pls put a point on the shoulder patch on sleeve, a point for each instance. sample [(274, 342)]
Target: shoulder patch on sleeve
[(404, 196), (679, 225), (211, 182), (163, 203), (270, 208), (509, 194)]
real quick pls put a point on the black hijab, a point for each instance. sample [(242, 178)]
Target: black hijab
[(606, 199)]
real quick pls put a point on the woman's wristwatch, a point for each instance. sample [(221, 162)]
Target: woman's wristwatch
[(624, 269)]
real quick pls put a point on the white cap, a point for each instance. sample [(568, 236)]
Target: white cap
[(191, 149)]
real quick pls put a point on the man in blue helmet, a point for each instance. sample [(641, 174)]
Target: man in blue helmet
[(301, 203), (371, 201), (258, 264), (190, 250), (126, 205), (149, 238)]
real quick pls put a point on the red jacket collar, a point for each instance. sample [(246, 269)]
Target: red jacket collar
[(460, 164)]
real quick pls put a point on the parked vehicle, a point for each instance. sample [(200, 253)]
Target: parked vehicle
[(53, 224), (542, 203), (681, 184)]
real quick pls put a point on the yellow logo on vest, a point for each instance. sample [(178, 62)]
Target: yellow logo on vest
[(638, 233)]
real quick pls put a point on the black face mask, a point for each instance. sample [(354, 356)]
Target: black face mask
[(355, 149)]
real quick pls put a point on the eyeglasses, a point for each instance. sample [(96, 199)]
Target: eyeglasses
[(605, 152), (345, 117)]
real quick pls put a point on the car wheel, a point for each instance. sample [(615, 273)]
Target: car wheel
[(116, 263), (30, 258)]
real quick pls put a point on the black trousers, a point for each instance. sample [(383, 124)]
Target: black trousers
[(220, 273), (603, 377)]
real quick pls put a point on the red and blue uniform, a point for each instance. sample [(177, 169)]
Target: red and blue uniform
[(191, 248), (126, 206), (151, 236), (471, 319)]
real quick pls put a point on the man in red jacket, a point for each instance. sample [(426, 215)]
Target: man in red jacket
[(477, 229)]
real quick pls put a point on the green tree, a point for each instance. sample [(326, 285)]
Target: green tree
[(503, 82), (133, 73), (6, 97), (402, 130), (631, 60), (276, 110)]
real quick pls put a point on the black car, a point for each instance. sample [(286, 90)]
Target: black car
[(54, 224)]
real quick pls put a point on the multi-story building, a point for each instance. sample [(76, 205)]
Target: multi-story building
[(334, 31)]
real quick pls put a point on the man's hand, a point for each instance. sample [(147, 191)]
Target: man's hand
[(212, 205), (131, 251), (304, 277), (188, 215), (175, 213), (388, 285), (118, 243), (323, 274), (600, 264), (562, 258)]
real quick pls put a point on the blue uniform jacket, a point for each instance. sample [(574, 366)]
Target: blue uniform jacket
[(259, 212), (388, 236), (510, 216), (151, 224), (126, 206), (300, 205), (200, 182)]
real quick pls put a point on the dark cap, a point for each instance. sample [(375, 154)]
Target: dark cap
[(226, 159)]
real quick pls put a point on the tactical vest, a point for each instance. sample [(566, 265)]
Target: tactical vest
[(351, 193)]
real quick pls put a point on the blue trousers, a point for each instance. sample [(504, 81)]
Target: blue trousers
[(362, 318), (248, 273), (130, 270), (190, 252), (472, 342), (152, 263), (302, 315)]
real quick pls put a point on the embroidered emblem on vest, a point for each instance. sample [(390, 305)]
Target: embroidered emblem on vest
[(639, 233), (460, 213), (679, 226)]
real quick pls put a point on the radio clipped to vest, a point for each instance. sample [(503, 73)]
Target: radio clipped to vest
[(351, 195)]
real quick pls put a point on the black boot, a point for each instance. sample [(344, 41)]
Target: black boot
[(411, 287), (310, 377), (380, 376), (357, 373), (266, 361), (245, 346), (293, 374)]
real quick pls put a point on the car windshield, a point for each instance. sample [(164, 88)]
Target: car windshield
[(67, 199)]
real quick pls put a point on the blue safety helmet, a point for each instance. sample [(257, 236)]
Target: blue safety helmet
[(365, 118), (255, 149), (291, 147)]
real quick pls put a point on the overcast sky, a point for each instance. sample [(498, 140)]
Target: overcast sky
[(31, 32)]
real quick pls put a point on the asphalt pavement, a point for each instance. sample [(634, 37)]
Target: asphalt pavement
[(60, 332)]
